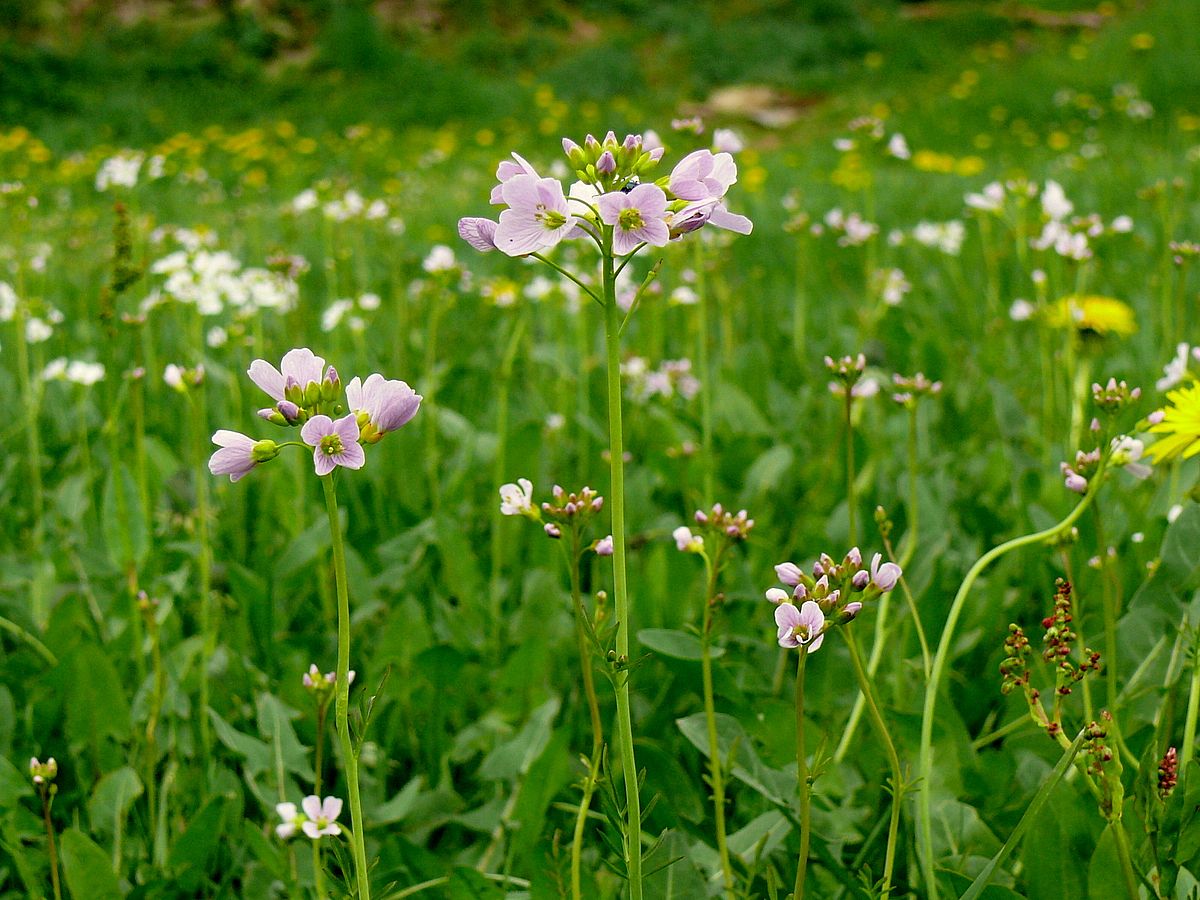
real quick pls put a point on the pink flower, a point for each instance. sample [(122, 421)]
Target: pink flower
[(703, 175), (800, 627), (238, 454), (789, 573), (334, 443), (637, 217), (321, 816), (604, 546), (301, 366), (506, 172), (387, 403), (537, 217), (707, 212), (884, 576), (479, 233)]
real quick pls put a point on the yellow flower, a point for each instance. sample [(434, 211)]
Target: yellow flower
[(1181, 420), (1100, 315)]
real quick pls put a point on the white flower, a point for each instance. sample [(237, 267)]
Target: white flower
[(120, 170), (686, 541), (1121, 225), (1021, 310), (8, 302), (369, 302), (84, 373), (1126, 452), (898, 147), (303, 202), (990, 199), (683, 296), (1055, 204), (217, 336), (55, 369), (317, 818), (1176, 370), (517, 499), (440, 259), (37, 331), (1174, 513), (332, 317), (726, 140)]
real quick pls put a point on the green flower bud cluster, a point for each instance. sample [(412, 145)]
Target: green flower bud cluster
[(610, 163)]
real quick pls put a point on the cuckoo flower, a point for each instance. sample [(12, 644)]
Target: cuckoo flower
[(321, 816), (479, 233), (886, 575), (506, 172), (300, 366), (517, 499), (703, 175), (800, 627), (637, 217), (239, 454), (537, 217), (334, 443), (381, 405)]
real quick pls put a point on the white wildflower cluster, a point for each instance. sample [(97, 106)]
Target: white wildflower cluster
[(852, 230), (214, 280), (76, 371), (189, 239), (672, 377), (947, 237), (890, 285), (439, 259), (121, 170), (349, 311), (351, 205), (1128, 99)]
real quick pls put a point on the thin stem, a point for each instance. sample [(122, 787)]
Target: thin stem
[(503, 378), (342, 708), (512, 880), (587, 289), (925, 791), (1003, 731), (318, 871), (850, 500), (1193, 709), (910, 535), (802, 780), (593, 703), (1126, 858), (200, 448), (710, 718), (633, 836), (984, 878), (706, 375), (21, 634), (51, 846), (1110, 614), (319, 751), (30, 394), (864, 685)]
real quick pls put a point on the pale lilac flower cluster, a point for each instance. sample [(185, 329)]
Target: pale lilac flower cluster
[(121, 170), (848, 373), (946, 237), (567, 512), (822, 600), (869, 132), (315, 819), (42, 772), (852, 230), (1076, 474), (908, 390), (609, 197), (672, 377), (723, 526), (76, 371), (890, 285), (319, 683), (308, 394), (215, 280)]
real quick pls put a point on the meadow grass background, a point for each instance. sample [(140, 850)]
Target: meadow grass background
[(477, 731)]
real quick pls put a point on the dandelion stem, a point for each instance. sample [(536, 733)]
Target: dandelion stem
[(612, 316), (864, 685), (802, 779), (925, 789), (342, 707), (710, 718)]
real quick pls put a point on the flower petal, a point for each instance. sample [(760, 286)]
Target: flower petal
[(316, 428)]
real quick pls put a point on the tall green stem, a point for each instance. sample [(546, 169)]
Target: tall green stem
[(616, 444), (1193, 707), (802, 780), (593, 703), (925, 790), (850, 499), (706, 375), (864, 685), (342, 707), (51, 847), (30, 394), (204, 558), (318, 871), (715, 765)]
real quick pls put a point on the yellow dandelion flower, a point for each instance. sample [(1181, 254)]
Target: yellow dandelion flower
[(1091, 313), (1181, 422)]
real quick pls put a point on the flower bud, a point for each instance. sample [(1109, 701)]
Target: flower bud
[(552, 531), (789, 573), (777, 595), (264, 451), (606, 164), (574, 153), (861, 579), (604, 546), (331, 387)]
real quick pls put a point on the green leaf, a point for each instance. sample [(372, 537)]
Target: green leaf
[(14, 784), (1104, 870), (396, 809), (111, 799), (777, 785), (87, 868), (675, 644), (678, 880), (95, 703), (192, 851), (516, 756), (760, 837)]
